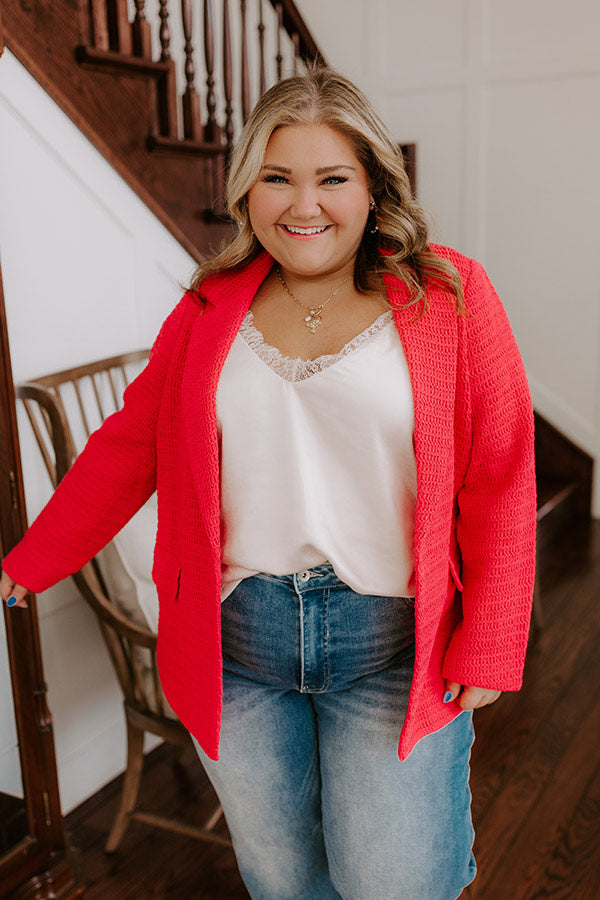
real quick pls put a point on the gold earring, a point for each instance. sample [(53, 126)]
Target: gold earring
[(372, 226)]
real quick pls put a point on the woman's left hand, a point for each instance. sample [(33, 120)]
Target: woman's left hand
[(469, 697)]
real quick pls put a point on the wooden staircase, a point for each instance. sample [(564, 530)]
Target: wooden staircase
[(564, 476), (564, 485), (170, 143)]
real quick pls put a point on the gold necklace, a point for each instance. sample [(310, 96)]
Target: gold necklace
[(313, 319)]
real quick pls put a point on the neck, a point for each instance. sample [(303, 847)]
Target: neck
[(314, 288)]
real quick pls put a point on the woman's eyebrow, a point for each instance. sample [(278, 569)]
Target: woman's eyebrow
[(322, 171), (325, 169), (278, 169)]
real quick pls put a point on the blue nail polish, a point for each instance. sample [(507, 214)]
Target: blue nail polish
[(12, 601), (447, 697)]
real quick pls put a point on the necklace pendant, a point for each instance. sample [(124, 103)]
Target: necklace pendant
[(312, 322), (313, 319)]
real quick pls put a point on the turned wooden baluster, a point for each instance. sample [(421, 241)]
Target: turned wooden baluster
[(279, 57), (227, 77), (166, 86), (164, 33), (296, 42), (245, 72), (191, 102), (261, 49), (142, 38), (210, 129)]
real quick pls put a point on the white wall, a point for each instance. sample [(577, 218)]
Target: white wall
[(88, 272), (502, 98)]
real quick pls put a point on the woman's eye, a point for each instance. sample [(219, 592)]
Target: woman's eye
[(275, 179)]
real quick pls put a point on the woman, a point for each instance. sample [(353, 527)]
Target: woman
[(337, 422)]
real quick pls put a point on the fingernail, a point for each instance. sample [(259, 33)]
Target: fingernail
[(12, 601), (447, 697)]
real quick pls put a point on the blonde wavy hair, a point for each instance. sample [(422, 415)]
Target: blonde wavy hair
[(323, 96)]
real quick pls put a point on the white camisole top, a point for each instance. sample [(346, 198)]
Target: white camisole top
[(317, 462)]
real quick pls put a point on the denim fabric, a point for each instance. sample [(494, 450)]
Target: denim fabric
[(316, 683)]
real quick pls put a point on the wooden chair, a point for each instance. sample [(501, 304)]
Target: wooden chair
[(63, 409)]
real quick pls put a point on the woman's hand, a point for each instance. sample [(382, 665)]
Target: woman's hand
[(10, 590), (469, 697)]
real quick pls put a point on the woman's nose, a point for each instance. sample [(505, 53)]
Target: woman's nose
[(305, 204)]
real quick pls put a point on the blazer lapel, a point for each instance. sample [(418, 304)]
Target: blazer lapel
[(430, 344), (227, 300)]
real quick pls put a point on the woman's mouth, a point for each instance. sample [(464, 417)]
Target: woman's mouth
[(311, 231)]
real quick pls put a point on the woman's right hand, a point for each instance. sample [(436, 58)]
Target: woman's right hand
[(9, 590)]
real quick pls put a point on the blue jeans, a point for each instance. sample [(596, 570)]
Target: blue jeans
[(316, 683)]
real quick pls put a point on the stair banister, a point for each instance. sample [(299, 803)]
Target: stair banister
[(190, 100)]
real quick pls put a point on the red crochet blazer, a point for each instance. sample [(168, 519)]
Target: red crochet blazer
[(474, 539)]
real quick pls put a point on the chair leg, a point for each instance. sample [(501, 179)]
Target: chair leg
[(213, 819), (131, 786)]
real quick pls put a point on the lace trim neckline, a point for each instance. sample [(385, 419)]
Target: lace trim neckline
[(301, 369)]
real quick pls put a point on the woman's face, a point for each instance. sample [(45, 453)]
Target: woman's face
[(310, 204)]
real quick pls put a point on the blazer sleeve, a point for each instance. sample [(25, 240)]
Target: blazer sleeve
[(496, 518), (109, 481)]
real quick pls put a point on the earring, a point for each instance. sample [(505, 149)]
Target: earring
[(372, 226)]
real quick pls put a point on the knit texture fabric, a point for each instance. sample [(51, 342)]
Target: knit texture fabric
[(476, 505)]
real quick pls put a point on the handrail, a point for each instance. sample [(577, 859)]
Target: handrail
[(293, 23)]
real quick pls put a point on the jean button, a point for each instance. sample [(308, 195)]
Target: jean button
[(305, 575)]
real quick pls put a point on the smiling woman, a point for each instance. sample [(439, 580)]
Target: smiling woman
[(338, 111), (310, 215), (338, 425)]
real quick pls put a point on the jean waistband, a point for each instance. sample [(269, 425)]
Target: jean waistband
[(321, 576)]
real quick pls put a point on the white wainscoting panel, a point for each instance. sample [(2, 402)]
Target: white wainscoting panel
[(502, 99)]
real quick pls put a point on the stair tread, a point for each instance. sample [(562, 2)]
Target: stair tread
[(92, 56), (553, 490), (184, 145)]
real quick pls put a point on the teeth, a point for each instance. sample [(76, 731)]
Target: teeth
[(317, 230)]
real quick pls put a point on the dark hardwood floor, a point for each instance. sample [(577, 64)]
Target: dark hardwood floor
[(535, 775)]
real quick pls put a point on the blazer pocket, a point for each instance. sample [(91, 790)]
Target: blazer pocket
[(454, 574), (167, 578)]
